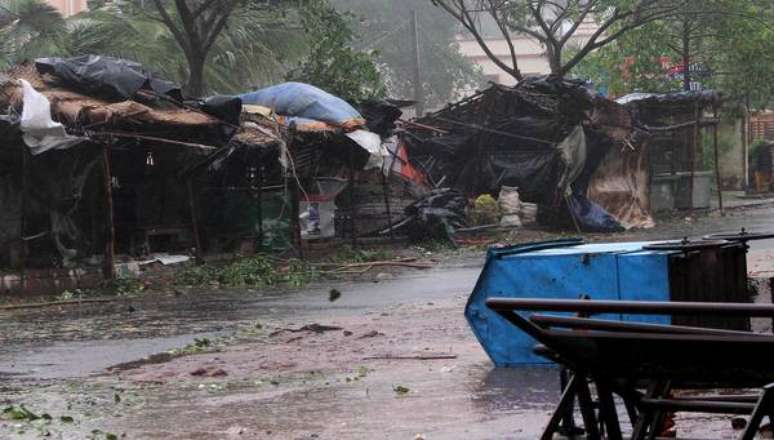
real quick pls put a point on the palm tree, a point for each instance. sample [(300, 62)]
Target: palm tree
[(28, 28), (256, 48)]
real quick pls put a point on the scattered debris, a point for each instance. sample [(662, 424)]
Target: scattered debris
[(204, 372), (738, 423), (333, 295), (57, 303), (400, 389), (421, 357), (371, 334), (314, 328)]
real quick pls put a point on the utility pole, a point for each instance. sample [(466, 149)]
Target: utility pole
[(419, 107)]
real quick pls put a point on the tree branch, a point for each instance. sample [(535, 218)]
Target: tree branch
[(462, 14), (170, 24), (566, 37)]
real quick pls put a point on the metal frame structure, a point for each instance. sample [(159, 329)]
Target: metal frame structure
[(644, 363)]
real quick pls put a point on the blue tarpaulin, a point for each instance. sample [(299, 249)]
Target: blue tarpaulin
[(305, 101)]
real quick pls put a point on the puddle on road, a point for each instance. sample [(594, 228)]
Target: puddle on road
[(513, 389), (78, 359)]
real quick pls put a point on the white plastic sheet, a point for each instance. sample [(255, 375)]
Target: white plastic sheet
[(372, 143), (41, 133)]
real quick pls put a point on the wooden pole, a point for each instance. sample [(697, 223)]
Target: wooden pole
[(692, 157), (294, 214), (108, 269), (23, 216), (572, 216), (386, 192), (194, 221), (291, 184), (717, 163), (260, 206), (352, 207)]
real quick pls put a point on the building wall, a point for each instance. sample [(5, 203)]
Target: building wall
[(69, 7), (529, 53)]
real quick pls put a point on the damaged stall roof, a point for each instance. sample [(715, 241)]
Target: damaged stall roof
[(96, 118), (703, 96), (307, 109), (547, 136)]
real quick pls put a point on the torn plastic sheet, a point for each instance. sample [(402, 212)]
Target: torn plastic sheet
[(435, 216), (573, 153), (371, 142), (620, 185), (592, 217), (165, 259), (306, 101), (578, 209), (41, 133)]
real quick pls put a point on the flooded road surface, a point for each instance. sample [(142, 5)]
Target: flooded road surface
[(388, 360), (39, 343)]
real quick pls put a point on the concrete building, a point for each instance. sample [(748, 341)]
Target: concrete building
[(529, 53), (69, 7)]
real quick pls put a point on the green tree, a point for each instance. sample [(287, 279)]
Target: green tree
[(333, 64), (257, 47), (28, 28), (197, 25), (553, 24), (385, 27), (732, 40)]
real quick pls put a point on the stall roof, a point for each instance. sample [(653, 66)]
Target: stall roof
[(162, 120), (702, 96)]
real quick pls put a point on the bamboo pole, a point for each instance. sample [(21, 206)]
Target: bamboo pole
[(717, 163), (386, 192), (194, 221), (692, 156), (352, 208), (260, 206), (108, 269)]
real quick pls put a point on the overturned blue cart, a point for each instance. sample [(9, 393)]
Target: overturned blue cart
[(711, 270)]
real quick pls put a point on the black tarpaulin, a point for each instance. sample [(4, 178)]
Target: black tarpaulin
[(108, 77)]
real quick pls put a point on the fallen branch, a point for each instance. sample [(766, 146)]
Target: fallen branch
[(420, 357), (388, 263), (57, 303), (316, 328)]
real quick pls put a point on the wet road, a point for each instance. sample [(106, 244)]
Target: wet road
[(37, 343), (41, 344), (75, 345)]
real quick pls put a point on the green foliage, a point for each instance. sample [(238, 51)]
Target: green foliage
[(385, 27), (332, 63), (732, 38), (29, 28), (484, 211), (19, 412), (348, 254), (256, 49), (257, 271)]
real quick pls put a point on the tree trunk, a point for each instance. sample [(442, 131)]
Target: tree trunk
[(195, 85), (554, 60)]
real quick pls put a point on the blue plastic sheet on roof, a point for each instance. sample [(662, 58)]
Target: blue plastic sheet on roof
[(305, 101)]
